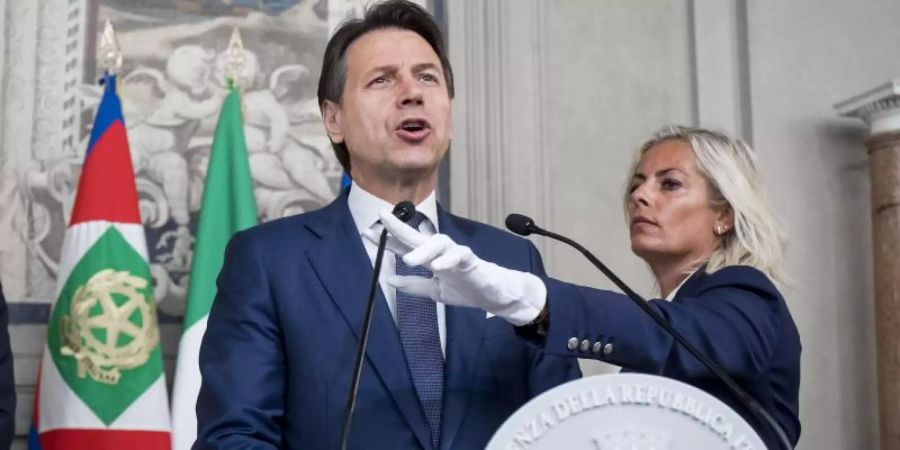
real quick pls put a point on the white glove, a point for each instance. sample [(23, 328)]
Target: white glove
[(460, 277)]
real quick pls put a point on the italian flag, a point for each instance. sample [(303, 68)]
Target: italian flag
[(102, 384), (228, 207)]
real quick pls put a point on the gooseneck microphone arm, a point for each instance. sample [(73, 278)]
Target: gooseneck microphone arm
[(523, 225), (404, 211)]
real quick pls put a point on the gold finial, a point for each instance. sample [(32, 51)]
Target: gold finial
[(235, 66), (109, 55)]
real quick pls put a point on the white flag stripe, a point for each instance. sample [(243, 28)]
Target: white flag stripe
[(82, 236), (143, 414), (134, 235), (148, 412), (187, 387), (78, 239), (66, 410)]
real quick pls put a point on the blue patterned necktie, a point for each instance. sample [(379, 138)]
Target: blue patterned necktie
[(417, 322)]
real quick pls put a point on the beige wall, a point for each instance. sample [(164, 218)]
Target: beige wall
[(806, 55), (603, 74)]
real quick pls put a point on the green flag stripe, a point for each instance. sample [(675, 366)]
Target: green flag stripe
[(228, 207)]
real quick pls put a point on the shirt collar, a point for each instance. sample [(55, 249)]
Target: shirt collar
[(366, 207), (674, 292)]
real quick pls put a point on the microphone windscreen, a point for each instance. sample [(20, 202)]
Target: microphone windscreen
[(404, 210), (519, 224)]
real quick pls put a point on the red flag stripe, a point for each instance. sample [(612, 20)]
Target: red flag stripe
[(106, 190), (36, 401), (82, 439)]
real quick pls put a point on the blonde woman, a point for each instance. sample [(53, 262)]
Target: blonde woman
[(699, 218)]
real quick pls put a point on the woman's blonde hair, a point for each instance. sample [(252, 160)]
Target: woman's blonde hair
[(729, 167)]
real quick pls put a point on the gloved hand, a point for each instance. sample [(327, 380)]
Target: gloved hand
[(460, 277)]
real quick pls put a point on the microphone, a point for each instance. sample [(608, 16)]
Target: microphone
[(521, 225), (404, 211), (524, 226)]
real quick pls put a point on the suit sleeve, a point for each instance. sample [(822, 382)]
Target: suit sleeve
[(241, 404), (7, 382), (733, 320), (548, 370)]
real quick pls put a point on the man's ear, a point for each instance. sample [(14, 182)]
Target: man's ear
[(334, 124)]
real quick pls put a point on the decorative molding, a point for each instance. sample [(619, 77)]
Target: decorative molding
[(541, 161), (2, 66), (720, 56), (50, 57), (21, 41), (879, 107), (50, 72), (16, 116), (17, 82), (499, 156), (76, 18)]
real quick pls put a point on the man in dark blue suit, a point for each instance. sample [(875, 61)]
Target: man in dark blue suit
[(277, 357), (7, 382)]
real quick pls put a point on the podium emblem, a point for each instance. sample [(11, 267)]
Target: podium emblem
[(625, 412)]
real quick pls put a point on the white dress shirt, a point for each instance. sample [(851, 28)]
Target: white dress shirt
[(674, 292), (365, 208)]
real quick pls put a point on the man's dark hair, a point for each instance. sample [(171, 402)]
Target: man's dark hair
[(400, 14)]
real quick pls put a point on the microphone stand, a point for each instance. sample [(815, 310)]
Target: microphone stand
[(363, 343), (403, 211)]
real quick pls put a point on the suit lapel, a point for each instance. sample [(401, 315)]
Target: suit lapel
[(465, 332), (340, 254), (691, 285)]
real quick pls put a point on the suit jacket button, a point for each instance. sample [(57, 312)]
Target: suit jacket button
[(573, 343), (585, 345), (607, 349), (598, 346)]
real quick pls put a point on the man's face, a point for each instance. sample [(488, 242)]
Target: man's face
[(394, 116)]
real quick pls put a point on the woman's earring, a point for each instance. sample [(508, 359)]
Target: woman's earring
[(718, 230)]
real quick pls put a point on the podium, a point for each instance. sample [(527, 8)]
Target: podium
[(625, 412)]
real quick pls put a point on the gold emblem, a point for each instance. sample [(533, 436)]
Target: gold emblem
[(103, 335)]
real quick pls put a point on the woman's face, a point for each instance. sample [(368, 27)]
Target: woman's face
[(670, 217)]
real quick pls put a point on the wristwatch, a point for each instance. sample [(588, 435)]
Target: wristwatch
[(537, 329)]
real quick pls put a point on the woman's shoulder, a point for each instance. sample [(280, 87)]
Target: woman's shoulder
[(739, 277)]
